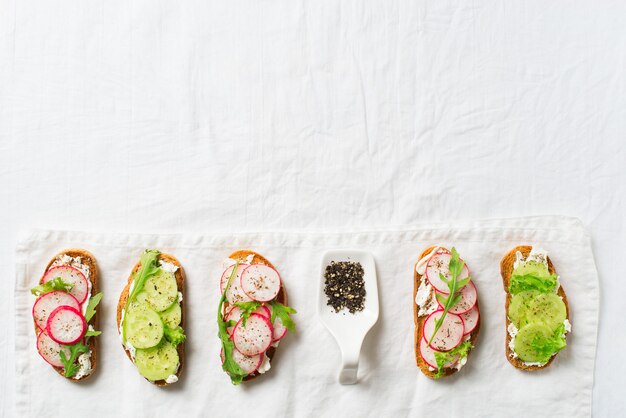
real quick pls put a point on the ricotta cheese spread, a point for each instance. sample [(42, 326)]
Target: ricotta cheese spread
[(425, 296), (169, 267), (265, 365), (171, 379), (85, 366)]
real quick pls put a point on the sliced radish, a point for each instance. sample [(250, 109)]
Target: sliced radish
[(234, 314), (235, 293), (449, 335), (260, 282), (73, 276), (253, 338), (47, 303), (467, 302), (66, 325), (439, 264), (249, 364), (428, 354), (471, 319), (50, 350)]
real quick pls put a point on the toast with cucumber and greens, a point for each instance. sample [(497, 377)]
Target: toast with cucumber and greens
[(445, 311), (537, 311), (252, 315), (150, 317), (65, 316)]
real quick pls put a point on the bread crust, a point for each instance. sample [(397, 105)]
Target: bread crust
[(281, 298), (88, 259), (506, 270), (419, 324), (180, 283)]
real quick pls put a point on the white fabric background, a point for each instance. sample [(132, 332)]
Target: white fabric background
[(166, 116), (303, 381)]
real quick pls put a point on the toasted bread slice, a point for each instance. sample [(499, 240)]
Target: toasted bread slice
[(89, 260), (180, 282), (281, 298), (506, 270), (419, 324)]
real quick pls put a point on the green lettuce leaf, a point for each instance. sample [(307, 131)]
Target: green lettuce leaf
[(50, 286), (441, 358), (547, 347), (521, 283)]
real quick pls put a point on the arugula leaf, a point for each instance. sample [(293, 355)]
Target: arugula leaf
[(50, 286), (91, 306), (149, 267), (93, 333), (454, 285), (247, 308), (174, 335), (228, 365), (521, 283), (547, 347), (284, 313), (70, 368), (442, 358)]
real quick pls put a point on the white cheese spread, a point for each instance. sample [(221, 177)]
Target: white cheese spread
[(171, 379), (169, 267), (85, 366), (265, 365), (425, 296)]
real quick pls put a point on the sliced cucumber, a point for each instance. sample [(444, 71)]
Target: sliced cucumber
[(547, 309), (524, 342), (143, 327), (519, 306), (160, 291), (532, 268), (157, 363), (172, 315)]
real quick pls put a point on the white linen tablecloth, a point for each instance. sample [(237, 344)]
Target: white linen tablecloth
[(303, 379)]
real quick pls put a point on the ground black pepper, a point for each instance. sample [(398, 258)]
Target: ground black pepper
[(344, 286)]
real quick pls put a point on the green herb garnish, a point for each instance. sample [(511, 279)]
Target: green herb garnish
[(70, 368), (91, 306), (229, 364), (50, 286), (445, 357), (175, 336), (454, 285), (93, 333), (246, 309), (283, 312)]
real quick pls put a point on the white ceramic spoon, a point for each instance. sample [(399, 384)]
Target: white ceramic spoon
[(349, 329)]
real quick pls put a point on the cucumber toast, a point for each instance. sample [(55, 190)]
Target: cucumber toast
[(445, 311), (150, 317), (537, 311), (252, 316), (64, 314)]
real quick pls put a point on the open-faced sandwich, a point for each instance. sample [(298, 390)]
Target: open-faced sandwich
[(537, 312), (150, 317), (65, 314), (252, 316), (445, 310)]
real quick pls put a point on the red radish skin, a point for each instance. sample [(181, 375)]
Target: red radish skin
[(469, 296), (73, 276), (248, 364), (428, 354), (471, 319), (234, 293), (449, 335), (45, 304), (260, 282), (439, 264), (253, 338), (66, 325), (50, 350), (264, 310)]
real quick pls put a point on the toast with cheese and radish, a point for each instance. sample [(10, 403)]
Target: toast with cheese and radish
[(65, 316), (537, 311), (151, 317), (252, 316), (445, 311)]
